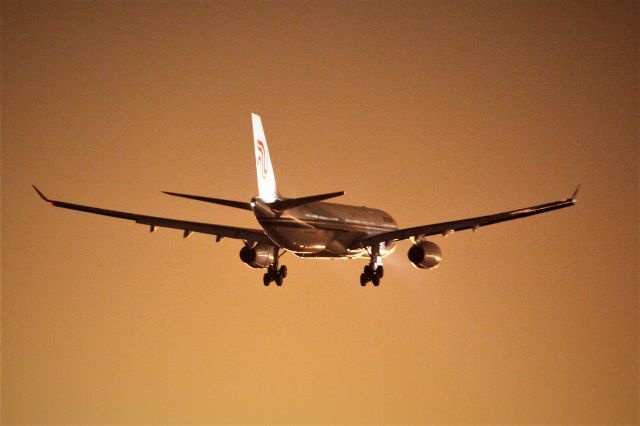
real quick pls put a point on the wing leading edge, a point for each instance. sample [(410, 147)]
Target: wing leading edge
[(473, 223), (220, 231)]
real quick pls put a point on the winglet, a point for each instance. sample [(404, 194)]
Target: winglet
[(575, 194), (44, 197)]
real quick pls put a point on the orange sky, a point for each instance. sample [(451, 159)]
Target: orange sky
[(430, 111)]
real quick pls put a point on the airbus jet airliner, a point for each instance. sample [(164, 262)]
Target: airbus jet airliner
[(312, 228)]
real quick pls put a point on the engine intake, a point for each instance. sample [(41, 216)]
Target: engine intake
[(260, 256), (425, 255)]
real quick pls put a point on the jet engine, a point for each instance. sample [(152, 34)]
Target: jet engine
[(259, 256), (425, 255)]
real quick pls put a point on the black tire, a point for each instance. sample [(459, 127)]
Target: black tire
[(363, 279), (266, 279), (283, 271), (368, 271), (273, 272), (279, 280), (376, 280), (380, 271)]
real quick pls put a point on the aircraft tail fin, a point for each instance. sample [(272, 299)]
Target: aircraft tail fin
[(267, 189)]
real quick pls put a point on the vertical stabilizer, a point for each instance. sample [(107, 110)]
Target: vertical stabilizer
[(267, 189)]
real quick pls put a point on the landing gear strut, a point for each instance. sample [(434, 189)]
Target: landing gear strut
[(273, 273), (374, 271)]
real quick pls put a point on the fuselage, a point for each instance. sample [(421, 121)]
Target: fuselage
[(323, 229)]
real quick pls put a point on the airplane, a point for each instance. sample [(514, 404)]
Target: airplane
[(310, 227)]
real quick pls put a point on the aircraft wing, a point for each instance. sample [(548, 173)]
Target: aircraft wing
[(473, 223), (220, 231)]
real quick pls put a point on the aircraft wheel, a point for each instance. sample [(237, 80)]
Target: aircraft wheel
[(283, 271), (380, 271), (279, 280), (363, 279), (266, 279), (376, 280), (368, 270)]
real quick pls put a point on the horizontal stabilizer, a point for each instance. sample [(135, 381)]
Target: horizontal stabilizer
[(229, 203), (281, 205)]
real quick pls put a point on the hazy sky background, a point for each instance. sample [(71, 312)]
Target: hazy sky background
[(431, 111)]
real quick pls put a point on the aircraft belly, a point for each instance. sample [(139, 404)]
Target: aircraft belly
[(299, 240), (331, 242)]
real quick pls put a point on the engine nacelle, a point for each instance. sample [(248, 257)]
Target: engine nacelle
[(425, 255), (260, 256)]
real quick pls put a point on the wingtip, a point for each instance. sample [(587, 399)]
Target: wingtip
[(575, 194), (175, 194), (44, 197)]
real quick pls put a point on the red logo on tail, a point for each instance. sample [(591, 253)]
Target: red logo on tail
[(262, 159)]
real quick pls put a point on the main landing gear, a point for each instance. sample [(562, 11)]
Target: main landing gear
[(374, 271), (273, 273)]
